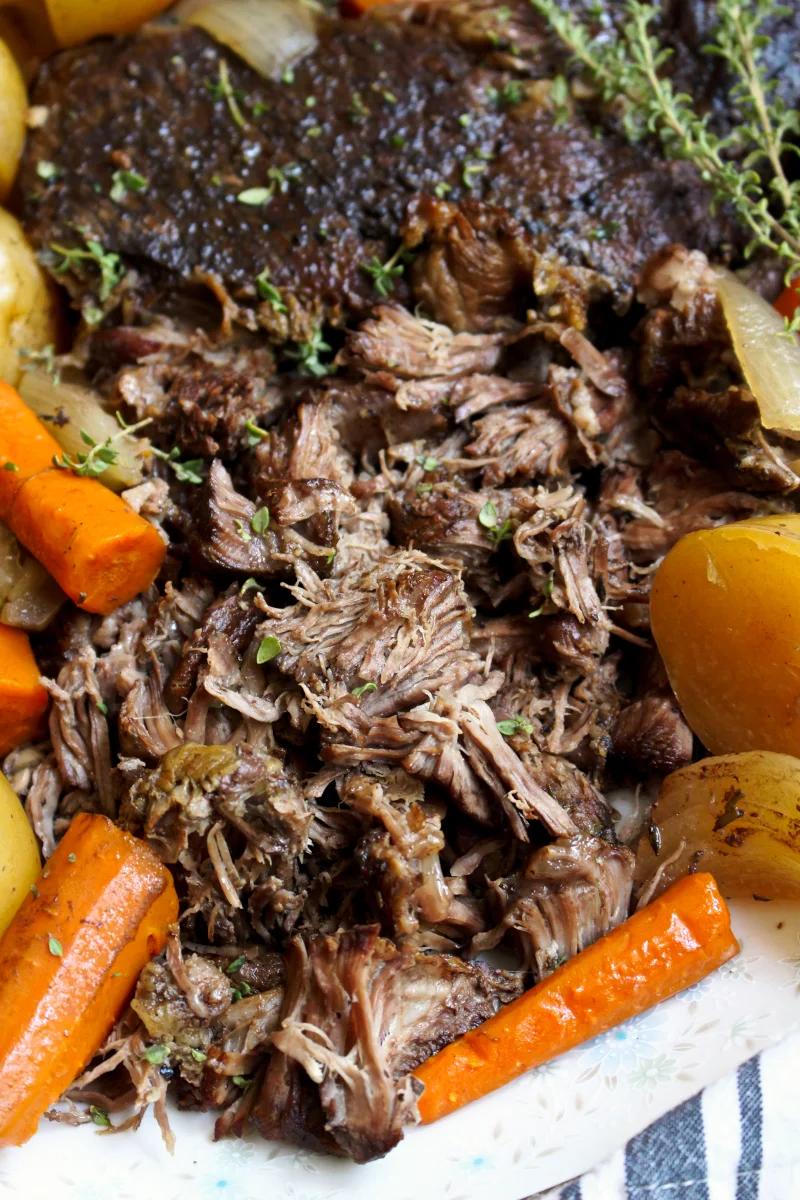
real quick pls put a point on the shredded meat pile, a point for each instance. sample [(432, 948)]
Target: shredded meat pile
[(398, 658)]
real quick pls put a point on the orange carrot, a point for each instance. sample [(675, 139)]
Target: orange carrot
[(69, 961), (357, 8), (671, 944), (26, 447), (789, 300), (95, 546), (23, 700)]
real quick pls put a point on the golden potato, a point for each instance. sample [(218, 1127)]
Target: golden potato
[(725, 614), (737, 817), (28, 303), (13, 113)]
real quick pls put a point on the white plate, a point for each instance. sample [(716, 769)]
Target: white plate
[(543, 1129)]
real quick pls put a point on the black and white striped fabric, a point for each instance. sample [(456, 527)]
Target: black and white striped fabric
[(737, 1140)]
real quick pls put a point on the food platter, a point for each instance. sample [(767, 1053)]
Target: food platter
[(547, 1127)]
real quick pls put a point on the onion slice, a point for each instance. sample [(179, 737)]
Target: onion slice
[(270, 35), (770, 361), (29, 597), (70, 408)]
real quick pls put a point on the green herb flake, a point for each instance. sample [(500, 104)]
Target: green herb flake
[(427, 463), (55, 947), (358, 692), (424, 488), (398, 140), (384, 274), (287, 75), (514, 725), (185, 472), (471, 167), (224, 89), (267, 291), (465, 120), (49, 171), (101, 706), (242, 530), (156, 1054), (100, 1116), (199, 1056), (488, 519), (314, 132), (259, 522), (442, 189), (234, 966), (255, 197), (44, 358), (307, 355), (389, 97), (242, 1083), (71, 858), (358, 111), (560, 100), (248, 585), (10, 466), (270, 647), (110, 265), (127, 181)]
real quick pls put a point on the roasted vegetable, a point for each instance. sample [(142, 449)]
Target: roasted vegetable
[(668, 946), (23, 700), (78, 412), (725, 618), (19, 854), (13, 111), (735, 816), (29, 596), (268, 34), (28, 307), (95, 546), (72, 21), (69, 960)]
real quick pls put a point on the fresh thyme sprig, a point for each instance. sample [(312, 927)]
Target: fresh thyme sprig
[(627, 69), (100, 455), (307, 355), (384, 274), (110, 265)]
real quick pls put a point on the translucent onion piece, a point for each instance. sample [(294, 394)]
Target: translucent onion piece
[(267, 34), (770, 362), (735, 816), (76, 407), (29, 597), (13, 111), (28, 301)]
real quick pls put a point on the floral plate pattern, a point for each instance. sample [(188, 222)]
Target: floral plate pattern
[(548, 1126)]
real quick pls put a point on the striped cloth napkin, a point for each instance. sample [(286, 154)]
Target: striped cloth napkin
[(739, 1139)]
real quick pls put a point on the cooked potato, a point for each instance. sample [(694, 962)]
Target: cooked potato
[(725, 616), (737, 817), (13, 112), (27, 300)]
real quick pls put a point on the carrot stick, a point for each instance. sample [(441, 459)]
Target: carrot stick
[(26, 447), (95, 546), (69, 961), (671, 944), (23, 700), (92, 542)]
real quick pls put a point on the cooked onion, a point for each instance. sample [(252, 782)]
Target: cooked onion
[(270, 35), (29, 597), (770, 361), (76, 407), (28, 303)]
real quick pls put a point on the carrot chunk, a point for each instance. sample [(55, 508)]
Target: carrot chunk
[(671, 944), (23, 700), (69, 961), (95, 546), (26, 447)]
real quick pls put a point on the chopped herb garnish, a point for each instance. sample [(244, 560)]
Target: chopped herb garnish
[(185, 472), (224, 89), (267, 291), (384, 274), (101, 706), (330, 557), (248, 584), (55, 947), (314, 131), (465, 120), (256, 433), (364, 687), (442, 189), (389, 97), (471, 167), (358, 111), (233, 967), (259, 522), (287, 75), (311, 101), (100, 455), (427, 463), (259, 108), (100, 1116), (242, 530), (241, 991), (92, 315), (547, 591), (270, 647), (45, 358), (199, 1055), (156, 1054), (127, 181), (514, 725), (9, 466), (241, 1082), (559, 97), (603, 232), (307, 355), (48, 171), (511, 93), (398, 140), (71, 858), (282, 175), (488, 519), (256, 197), (110, 265), (423, 488)]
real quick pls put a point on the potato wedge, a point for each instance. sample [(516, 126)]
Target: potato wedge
[(28, 303), (737, 816), (13, 112), (725, 615)]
